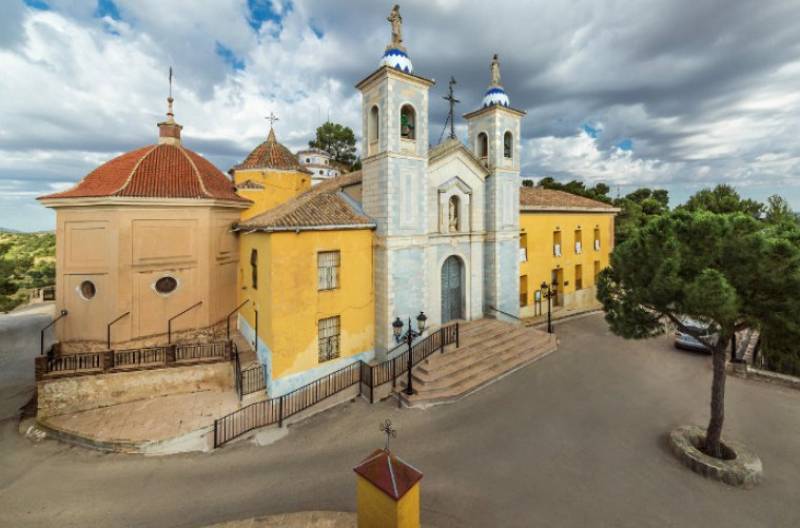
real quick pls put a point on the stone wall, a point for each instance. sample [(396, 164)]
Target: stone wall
[(81, 393)]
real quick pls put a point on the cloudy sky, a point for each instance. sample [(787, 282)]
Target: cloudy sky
[(679, 94)]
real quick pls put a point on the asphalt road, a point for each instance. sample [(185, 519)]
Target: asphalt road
[(576, 439)]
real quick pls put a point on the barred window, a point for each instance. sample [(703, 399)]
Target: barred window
[(254, 268), (328, 331), (328, 263)]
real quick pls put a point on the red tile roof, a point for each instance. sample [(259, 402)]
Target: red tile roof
[(324, 205), (271, 155), (388, 473), (156, 171), (540, 199)]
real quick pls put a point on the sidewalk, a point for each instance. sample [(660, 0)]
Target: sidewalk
[(154, 420)]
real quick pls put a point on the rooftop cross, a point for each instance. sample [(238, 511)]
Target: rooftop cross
[(170, 81), (452, 100), (272, 118), (389, 431)]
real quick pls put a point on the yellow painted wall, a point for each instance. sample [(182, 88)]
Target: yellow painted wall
[(279, 187), (538, 231), (290, 304), (378, 510)]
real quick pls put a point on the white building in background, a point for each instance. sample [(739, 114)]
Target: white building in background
[(319, 163)]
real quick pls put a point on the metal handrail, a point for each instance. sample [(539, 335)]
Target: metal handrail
[(504, 313), (108, 329), (169, 323), (64, 313), (228, 319)]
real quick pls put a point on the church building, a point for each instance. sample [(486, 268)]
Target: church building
[(319, 268)]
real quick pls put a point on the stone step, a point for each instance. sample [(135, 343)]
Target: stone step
[(477, 350), (500, 360), (425, 397)]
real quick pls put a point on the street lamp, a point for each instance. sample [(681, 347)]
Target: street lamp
[(551, 291), (408, 337)]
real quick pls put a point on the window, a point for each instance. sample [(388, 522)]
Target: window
[(328, 331), (596, 270), (407, 122), (578, 242), (328, 263), (308, 160), (87, 290), (453, 223), (508, 142), (578, 277), (523, 290), (523, 247), (597, 239), (483, 145), (556, 243), (373, 123), (166, 285), (254, 268)]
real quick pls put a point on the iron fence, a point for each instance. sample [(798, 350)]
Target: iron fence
[(214, 350), (276, 410), (252, 380), (77, 362), (139, 357)]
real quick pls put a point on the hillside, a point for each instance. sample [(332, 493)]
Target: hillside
[(27, 260)]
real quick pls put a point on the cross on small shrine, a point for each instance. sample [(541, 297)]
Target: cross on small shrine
[(389, 431), (452, 100), (272, 118)]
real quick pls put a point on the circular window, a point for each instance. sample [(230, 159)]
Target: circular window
[(166, 285), (87, 290)]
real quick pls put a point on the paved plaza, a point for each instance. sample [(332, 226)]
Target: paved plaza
[(576, 439)]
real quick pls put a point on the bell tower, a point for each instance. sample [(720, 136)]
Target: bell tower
[(493, 132), (395, 146)]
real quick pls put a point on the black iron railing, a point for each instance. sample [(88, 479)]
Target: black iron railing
[(253, 380), (497, 310), (61, 315), (276, 410)]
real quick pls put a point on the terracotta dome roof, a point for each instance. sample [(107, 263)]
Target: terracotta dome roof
[(271, 155), (156, 171)]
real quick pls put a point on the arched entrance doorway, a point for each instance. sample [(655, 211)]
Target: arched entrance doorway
[(452, 289)]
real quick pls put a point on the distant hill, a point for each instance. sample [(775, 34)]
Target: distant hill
[(8, 230)]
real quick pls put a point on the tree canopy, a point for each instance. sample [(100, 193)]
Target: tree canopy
[(337, 140), (725, 269), (723, 199)]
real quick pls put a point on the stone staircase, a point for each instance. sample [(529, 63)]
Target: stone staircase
[(489, 349)]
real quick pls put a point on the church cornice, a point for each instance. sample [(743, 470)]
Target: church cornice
[(499, 108), (141, 202), (386, 71)]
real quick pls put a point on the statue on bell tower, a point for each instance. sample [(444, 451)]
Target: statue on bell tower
[(495, 70), (396, 21)]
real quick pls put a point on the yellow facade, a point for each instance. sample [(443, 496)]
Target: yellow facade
[(575, 270), (378, 510), (268, 188), (288, 299)]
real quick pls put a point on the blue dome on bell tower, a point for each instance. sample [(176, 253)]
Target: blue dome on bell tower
[(398, 59)]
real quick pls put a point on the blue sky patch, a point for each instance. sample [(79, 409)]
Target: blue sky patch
[(37, 4), (591, 131), (261, 11), (229, 56), (626, 144), (106, 8)]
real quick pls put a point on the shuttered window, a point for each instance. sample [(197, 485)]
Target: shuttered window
[(328, 331), (328, 270)]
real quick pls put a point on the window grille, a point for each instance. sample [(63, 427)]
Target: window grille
[(254, 268), (597, 244), (578, 248), (557, 250), (328, 331), (328, 263)]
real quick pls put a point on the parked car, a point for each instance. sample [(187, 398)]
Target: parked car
[(688, 342)]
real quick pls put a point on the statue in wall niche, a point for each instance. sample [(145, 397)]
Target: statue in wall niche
[(453, 225), (396, 21)]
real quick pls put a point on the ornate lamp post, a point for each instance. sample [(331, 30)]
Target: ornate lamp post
[(550, 292), (408, 337)]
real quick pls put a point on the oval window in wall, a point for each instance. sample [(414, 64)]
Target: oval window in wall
[(166, 285), (87, 290)]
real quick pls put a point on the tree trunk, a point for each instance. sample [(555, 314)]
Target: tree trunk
[(712, 445)]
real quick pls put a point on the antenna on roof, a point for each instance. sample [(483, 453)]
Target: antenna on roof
[(170, 82)]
